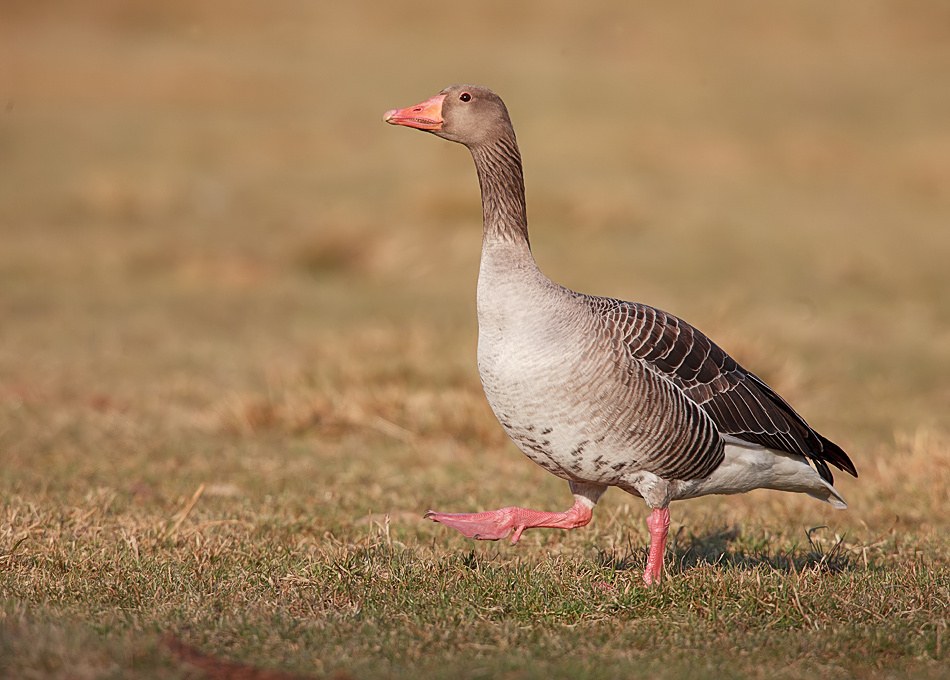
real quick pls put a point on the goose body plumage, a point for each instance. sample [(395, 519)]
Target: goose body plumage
[(603, 392)]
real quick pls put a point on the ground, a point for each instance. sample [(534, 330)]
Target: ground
[(237, 335)]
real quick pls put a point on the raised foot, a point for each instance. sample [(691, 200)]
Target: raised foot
[(497, 524), (485, 526)]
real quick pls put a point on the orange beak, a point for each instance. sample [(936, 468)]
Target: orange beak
[(424, 116)]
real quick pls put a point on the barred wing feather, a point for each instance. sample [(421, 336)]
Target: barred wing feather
[(740, 403)]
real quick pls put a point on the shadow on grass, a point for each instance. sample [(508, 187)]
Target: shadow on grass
[(715, 549)]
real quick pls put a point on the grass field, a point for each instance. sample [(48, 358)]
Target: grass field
[(237, 335)]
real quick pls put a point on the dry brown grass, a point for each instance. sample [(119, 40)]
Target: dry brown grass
[(237, 333)]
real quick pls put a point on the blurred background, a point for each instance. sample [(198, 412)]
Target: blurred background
[(206, 228)]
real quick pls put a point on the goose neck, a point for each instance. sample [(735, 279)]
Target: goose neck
[(502, 184)]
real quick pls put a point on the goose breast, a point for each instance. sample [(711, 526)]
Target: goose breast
[(577, 402)]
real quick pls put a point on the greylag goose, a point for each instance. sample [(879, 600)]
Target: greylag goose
[(603, 392)]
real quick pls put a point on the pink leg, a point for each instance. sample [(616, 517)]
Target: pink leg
[(659, 525), (490, 526)]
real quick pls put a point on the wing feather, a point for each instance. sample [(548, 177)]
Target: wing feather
[(740, 403)]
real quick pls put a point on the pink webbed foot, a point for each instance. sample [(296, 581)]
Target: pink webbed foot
[(659, 525), (486, 526), (497, 524)]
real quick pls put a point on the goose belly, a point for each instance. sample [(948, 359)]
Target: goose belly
[(551, 398)]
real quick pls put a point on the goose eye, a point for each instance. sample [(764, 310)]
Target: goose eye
[(465, 97)]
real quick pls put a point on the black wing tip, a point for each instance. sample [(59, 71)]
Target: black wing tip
[(828, 451), (835, 455)]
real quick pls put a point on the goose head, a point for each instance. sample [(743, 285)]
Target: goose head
[(467, 114)]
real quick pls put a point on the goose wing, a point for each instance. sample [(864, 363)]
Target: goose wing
[(738, 401)]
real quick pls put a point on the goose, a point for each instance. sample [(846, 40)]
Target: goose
[(603, 392)]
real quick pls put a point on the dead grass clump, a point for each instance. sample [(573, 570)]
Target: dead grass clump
[(910, 481), (220, 270), (336, 249), (215, 668), (411, 416), (386, 380)]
